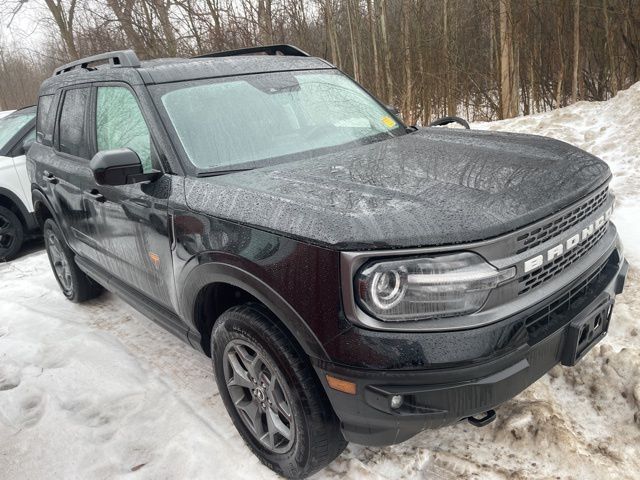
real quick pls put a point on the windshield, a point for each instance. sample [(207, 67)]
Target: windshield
[(12, 124), (244, 122)]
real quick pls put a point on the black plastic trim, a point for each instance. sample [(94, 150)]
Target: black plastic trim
[(208, 273), (156, 312)]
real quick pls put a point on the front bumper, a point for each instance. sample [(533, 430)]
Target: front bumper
[(441, 396)]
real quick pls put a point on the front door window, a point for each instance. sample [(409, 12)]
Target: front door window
[(120, 124)]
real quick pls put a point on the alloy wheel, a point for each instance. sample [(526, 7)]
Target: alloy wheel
[(260, 395), (7, 233), (59, 261)]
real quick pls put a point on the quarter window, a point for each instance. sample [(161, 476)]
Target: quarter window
[(71, 127), (120, 124)]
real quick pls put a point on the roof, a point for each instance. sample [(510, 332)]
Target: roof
[(180, 69)]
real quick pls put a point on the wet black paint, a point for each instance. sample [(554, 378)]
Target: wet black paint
[(428, 188)]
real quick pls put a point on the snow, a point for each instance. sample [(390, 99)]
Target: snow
[(98, 391)]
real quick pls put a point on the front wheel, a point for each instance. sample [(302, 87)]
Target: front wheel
[(76, 285), (272, 394)]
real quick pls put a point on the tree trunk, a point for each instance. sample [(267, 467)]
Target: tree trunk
[(408, 74), (64, 21), (576, 51), (218, 35), (613, 73), (373, 27), (451, 105), (386, 55), (508, 80), (331, 33), (265, 22), (123, 11), (353, 41), (162, 10)]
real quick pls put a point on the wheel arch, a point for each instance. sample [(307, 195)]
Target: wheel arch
[(10, 200), (42, 208), (234, 286)]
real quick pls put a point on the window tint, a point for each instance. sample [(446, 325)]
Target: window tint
[(120, 124), (71, 125), (44, 124)]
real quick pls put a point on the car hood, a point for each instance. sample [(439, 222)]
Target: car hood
[(432, 187)]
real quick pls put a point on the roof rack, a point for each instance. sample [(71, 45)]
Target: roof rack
[(288, 50), (119, 58)]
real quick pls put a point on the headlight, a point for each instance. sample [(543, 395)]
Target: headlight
[(427, 287)]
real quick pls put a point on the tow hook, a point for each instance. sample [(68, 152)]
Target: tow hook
[(489, 416)]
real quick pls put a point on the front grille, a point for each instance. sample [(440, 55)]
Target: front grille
[(536, 278), (539, 235), (539, 323)]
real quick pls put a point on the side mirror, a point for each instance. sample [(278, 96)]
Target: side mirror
[(121, 166)]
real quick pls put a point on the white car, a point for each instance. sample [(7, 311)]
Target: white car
[(17, 221)]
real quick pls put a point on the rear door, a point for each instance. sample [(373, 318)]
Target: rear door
[(69, 174)]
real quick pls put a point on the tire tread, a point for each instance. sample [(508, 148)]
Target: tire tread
[(327, 441)]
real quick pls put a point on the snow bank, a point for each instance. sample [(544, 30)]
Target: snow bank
[(98, 391)]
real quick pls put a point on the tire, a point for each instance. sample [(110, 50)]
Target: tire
[(291, 385), (11, 234), (76, 285)]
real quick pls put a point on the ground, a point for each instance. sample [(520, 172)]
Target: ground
[(98, 391)]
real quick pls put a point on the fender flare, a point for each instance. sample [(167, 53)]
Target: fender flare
[(216, 272), (38, 196), (27, 217)]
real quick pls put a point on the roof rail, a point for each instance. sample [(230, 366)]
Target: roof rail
[(288, 50), (119, 58)]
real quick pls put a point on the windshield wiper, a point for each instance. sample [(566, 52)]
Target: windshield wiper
[(215, 173)]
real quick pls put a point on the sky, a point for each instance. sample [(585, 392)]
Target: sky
[(28, 29)]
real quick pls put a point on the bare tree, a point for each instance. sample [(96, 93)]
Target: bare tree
[(508, 88), (576, 51), (64, 14), (482, 58)]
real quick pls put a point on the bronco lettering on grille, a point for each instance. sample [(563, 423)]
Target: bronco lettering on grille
[(556, 251)]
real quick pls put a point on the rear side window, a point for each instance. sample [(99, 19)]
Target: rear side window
[(44, 123), (71, 126), (120, 124)]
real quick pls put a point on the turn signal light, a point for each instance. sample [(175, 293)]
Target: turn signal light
[(341, 385)]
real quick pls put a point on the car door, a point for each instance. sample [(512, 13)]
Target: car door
[(19, 163), (69, 174), (132, 225)]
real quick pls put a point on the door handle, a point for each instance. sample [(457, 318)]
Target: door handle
[(95, 195), (49, 177)]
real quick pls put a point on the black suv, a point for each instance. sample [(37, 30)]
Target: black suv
[(352, 278)]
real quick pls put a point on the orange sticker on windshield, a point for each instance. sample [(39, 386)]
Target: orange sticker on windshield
[(389, 122)]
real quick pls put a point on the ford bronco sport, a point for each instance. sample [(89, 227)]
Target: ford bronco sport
[(17, 222), (353, 279)]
